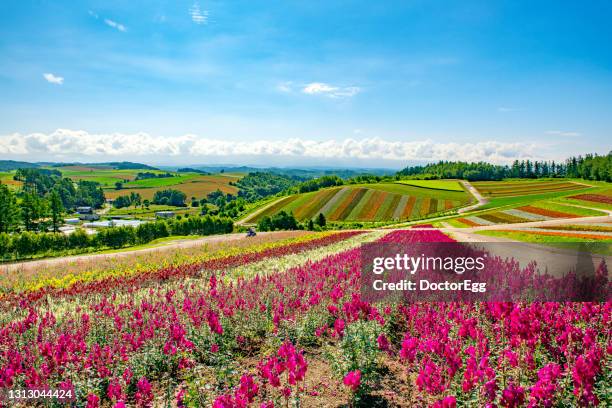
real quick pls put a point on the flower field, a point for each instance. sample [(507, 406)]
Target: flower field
[(283, 324), (519, 188), (536, 211), (368, 202), (596, 198)]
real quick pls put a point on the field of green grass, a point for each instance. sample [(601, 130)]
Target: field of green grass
[(367, 203), (599, 246), (144, 212), (451, 185)]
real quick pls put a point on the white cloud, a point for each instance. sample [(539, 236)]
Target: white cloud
[(53, 79), (198, 15), (64, 143), (115, 25), (321, 88), (94, 15), (563, 133)]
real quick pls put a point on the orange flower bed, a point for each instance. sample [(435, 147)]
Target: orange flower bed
[(468, 222), (372, 206), (425, 205), (596, 198), (546, 213), (348, 204), (409, 206)]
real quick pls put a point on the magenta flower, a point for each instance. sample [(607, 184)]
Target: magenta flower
[(353, 380)]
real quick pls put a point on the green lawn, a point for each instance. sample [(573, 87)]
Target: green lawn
[(597, 246), (451, 185), (161, 182), (400, 188)]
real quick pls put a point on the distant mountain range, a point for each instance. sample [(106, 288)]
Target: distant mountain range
[(8, 165), (300, 173)]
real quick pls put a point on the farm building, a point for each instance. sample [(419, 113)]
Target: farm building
[(87, 214)]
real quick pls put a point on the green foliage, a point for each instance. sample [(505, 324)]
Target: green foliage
[(590, 167), (170, 197), (33, 208), (321, 221), (56, 207), (89, 193), (358, 350), (19, 245), (280, 221), (319, 183), (127, 200), (258, 185), (149, 175), (37, 180), (9, 211)]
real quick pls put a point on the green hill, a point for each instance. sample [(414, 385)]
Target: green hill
[(366, 202)]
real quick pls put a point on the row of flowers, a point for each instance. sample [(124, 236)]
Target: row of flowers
[(92, 283), (118, 350)]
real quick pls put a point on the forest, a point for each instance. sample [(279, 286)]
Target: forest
[(589, 167)]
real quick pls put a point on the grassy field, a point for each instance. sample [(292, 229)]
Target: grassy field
[(143, 212), (600, 243), (193, 186), (368, 202), (7, 178), (451, 185)]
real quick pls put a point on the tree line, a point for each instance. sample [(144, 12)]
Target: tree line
[(287, 221), (34, 243), (589, 167)]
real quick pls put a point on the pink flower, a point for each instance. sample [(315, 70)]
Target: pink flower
[(353, 380), (214, 348), (339, 327), (513, 396), (446, 402), (383, 343), (93, 401), (143, 394)]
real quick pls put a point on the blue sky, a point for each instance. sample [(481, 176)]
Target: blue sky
[(285, 82)]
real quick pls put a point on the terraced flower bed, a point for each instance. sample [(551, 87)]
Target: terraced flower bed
[(546, 212), (596, 198), (519, 188), (368, 202)]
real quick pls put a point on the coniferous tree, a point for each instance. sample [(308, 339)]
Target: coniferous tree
[(9, 211)]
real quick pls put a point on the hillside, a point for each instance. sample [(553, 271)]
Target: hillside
[(366, 202)]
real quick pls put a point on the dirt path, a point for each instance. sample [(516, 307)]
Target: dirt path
[(481, 200), (168, 245)]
